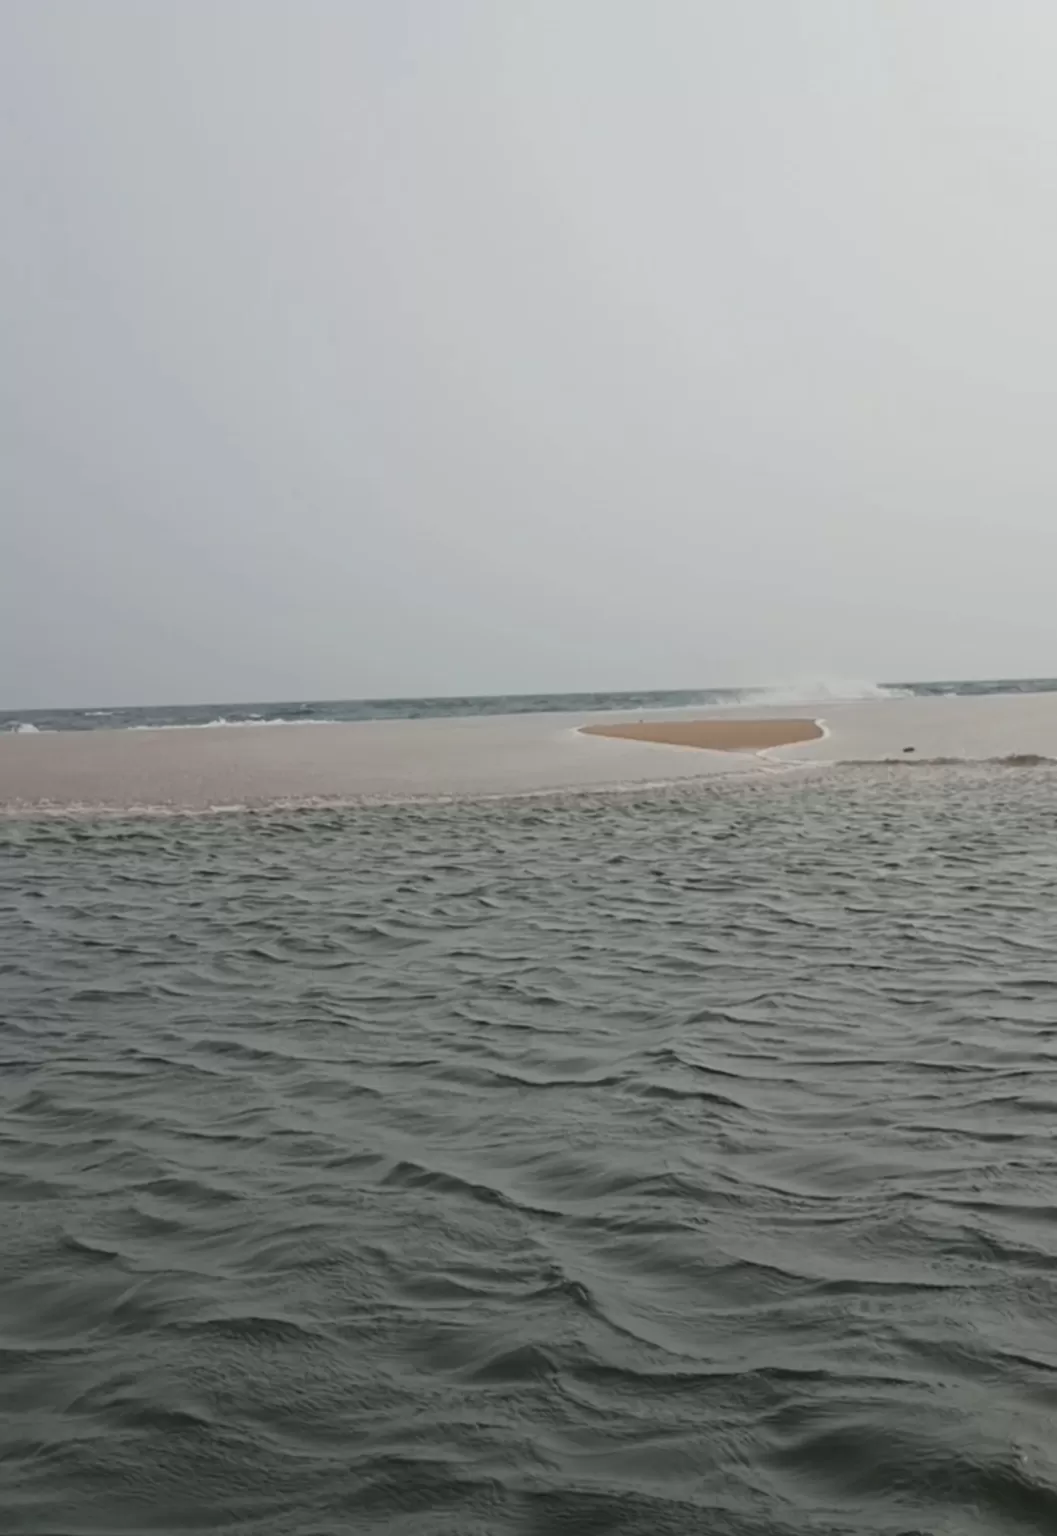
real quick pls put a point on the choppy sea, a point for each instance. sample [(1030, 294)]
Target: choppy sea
[(677, 1161)]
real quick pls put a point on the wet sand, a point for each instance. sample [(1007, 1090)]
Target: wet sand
[(713, 735), (211, 767)]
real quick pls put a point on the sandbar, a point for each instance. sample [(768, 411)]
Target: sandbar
[(713, 735), (260, 765)]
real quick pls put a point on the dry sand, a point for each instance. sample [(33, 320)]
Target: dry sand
[(713, 735)]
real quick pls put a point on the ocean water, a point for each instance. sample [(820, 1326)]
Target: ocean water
[(668, 1162), (288, 712)]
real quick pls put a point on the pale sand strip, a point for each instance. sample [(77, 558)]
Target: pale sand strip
[(714, 735), (516, 754), (262, 765)]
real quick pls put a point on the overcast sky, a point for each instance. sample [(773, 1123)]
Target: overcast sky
[(358, 347)]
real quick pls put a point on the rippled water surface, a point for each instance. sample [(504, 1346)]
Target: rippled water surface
[(674, 1162)]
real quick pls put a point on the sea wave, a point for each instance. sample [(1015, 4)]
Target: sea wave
[(824, 690), (795, 693), (222, 721)]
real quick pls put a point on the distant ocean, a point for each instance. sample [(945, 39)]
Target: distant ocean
[(335, 711)]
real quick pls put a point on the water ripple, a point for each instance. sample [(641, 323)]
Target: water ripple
[(655, 1163)]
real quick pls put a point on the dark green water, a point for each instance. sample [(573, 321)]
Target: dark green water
[(667, 1163)]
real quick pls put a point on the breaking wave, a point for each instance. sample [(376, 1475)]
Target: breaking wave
[(796, 692), (223, 721), (827, 690)]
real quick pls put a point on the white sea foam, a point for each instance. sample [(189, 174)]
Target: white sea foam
[(827, 690), (24, 728), (222, 721)]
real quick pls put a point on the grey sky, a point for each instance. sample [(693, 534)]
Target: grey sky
[(397, 346)]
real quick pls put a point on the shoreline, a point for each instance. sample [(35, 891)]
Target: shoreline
[(203, 768), (196, 768), (712, 735)]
